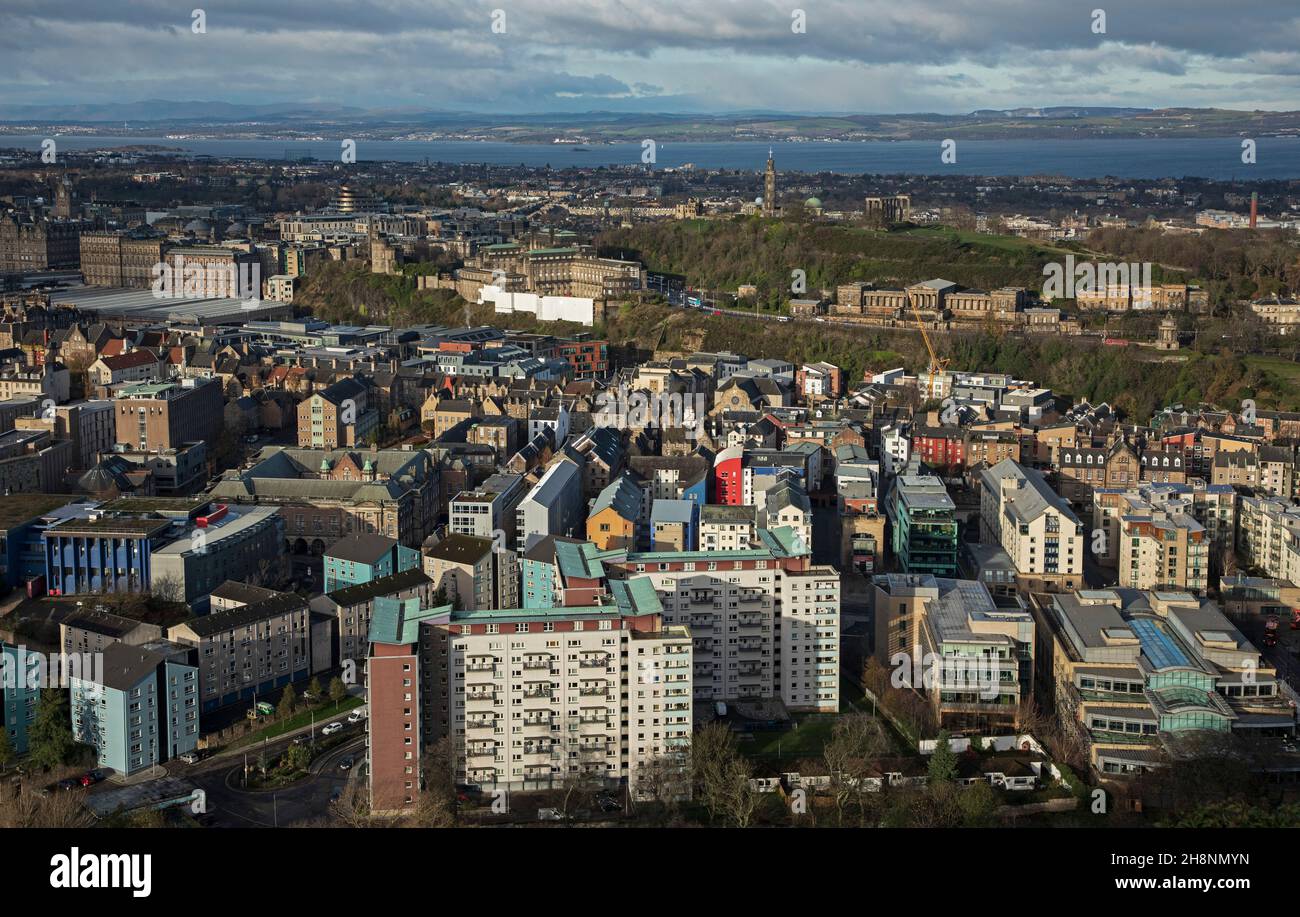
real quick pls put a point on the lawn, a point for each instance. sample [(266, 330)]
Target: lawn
[(1288, 370), (809, 732), (806, 738), (324, 713)]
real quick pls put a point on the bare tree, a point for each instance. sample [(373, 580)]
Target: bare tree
[(27, 805), (436, 805), (856, 742), (712, 749), (739, 797), (662, 785)]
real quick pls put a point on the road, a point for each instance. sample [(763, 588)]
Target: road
[(234, 808)]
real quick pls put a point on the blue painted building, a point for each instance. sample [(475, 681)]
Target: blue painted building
[(674, 525), (141, 710), (358, 559), (20, 695), (102, 553)]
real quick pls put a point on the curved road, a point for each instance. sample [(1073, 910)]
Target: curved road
[(233, 808)]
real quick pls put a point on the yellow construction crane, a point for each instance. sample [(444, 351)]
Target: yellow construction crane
[(937, 364)]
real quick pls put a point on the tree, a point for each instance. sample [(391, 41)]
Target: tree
[(49, 739), (436, 806), (712, 749), (7, 753), (739, 798), (168, 589), (288, 702), (943, 763), (338, 690), (978, 803), (662, 784), (298, 757), (857, 741), (313, 688)]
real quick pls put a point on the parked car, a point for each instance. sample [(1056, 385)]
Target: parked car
[(69, 783), (356, 716), (346, 763), (191, 757), (608, 803), (301, 740), (90, 778), (331, 728)]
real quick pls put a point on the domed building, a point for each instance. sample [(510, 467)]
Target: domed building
[(200, 229)]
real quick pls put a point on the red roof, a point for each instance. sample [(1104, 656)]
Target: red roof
[(130, 360)]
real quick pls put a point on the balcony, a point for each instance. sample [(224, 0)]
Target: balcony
[(534, 693), (750, 621), (481, 751), (594, 691), (539, 720), (596, 663), (481, 695), (481, 667), (481, 724)]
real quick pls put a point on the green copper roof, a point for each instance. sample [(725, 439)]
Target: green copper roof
[(397, 621), (636, 596), (583, 560)]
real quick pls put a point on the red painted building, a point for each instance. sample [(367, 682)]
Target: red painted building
[(589, 359), (729, 477), (940, 447)]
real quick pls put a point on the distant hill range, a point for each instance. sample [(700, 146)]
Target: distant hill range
[(280, 120)]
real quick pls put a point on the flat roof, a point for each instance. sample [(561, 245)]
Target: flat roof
[(17, 509)]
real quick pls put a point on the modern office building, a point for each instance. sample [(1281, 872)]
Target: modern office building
[(923, 526), (969, 654), (1131, 673), (154, 417)]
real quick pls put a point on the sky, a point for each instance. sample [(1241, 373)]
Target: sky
[(519, 56)]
